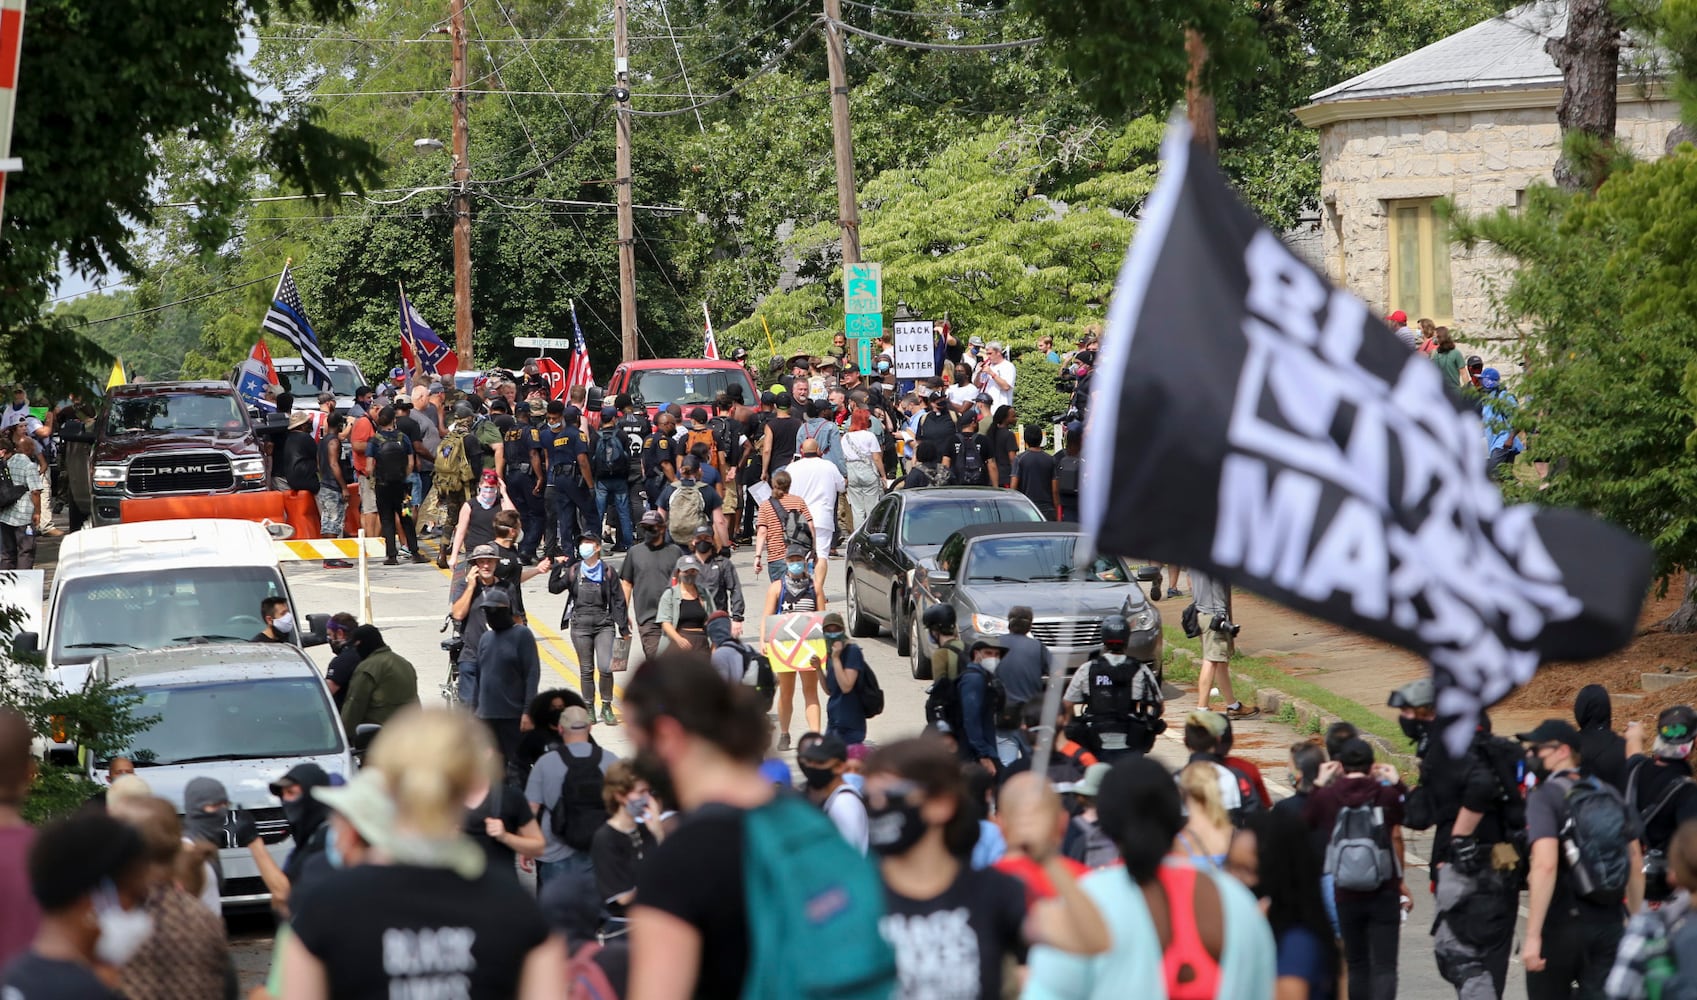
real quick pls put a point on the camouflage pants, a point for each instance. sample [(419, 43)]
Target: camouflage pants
[(1474, 932), (332, 510)]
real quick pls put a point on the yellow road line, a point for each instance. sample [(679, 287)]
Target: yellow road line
[(568, 671)]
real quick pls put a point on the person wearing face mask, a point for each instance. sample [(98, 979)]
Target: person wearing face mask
[(1659, 786), (384, 682), (89, 875), (346, 659), (595, 616), (823, 759), (795, 592), (279, 622), (307, 829), (504, 676), (719, 577), (684, 608), (976, 691), (646, 575), (186, 954), (845, 718), (952, 925), (476, 525), (620, 845)]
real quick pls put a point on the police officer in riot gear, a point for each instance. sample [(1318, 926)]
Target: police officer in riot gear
[(1121, 698)]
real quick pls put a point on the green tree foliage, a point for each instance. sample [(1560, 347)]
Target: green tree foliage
[(104, 88)]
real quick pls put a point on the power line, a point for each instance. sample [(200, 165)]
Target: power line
[(929, 14), (733, 50), (496, 74), (178, 302), (930, 46), (766, 67)]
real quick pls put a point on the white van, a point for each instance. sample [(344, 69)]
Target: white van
[(155, 584)]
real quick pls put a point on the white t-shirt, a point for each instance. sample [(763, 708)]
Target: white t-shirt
[(860, 446), (959, 395), (817, 482), (998, 395), (848, 811)]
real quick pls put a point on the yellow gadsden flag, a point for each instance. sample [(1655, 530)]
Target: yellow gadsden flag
[(117, 377)]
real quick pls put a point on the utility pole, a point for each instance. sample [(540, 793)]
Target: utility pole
[(1198, 103), (842, 141), (462, 189), (621, 164)]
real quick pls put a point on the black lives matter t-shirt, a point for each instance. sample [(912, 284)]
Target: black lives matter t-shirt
[(402, 930), (696, 875), (950, 947)]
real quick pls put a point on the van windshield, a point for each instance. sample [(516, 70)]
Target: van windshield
[(250, 719), (152, 610)]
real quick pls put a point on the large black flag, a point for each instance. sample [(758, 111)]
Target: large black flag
[(1251, 421)]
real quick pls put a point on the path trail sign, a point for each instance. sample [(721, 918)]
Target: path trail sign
[(863, 288)]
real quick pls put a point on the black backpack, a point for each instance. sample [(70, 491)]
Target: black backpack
[(757, 673), (10, 492), (949, 706), (867, 689), (579, 811), (969, 468), (797, 532), (1656, 886), (609, 457), (1066, 472), (390, 463), (1595, 834), (942, 701), (727, 437)]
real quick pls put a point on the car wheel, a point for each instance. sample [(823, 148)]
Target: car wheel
[(900, 613), (858, 624), (919, 667)]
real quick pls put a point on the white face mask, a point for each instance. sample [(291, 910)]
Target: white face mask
[(990, 663), (284, 623), (486, 495), (122, 932)]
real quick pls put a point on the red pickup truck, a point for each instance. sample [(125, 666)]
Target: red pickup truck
[(686, 381)]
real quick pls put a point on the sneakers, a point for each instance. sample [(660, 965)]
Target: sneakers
[(1154, 592), (607, 715), (442, 558), (338, 564), (783, 742), (419, 557), (391, 561), (1175, 592), (1242, 711)]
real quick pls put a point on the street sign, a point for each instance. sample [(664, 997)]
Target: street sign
[(863, 288), (863, 326), (544, 343), (916, 355), (554, 375), (863, 355)]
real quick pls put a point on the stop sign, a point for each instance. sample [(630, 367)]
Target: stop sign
[(554, 375)]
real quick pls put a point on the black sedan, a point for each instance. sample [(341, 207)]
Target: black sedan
[(900, 539)]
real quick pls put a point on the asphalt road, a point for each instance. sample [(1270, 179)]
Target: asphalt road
[(409, 602)]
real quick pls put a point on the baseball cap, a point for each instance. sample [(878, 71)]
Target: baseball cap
[(403, 402), (1089, 786), (609, 413), (783, 401), (988, 644), (1677, 724), (654, 517), (1398, 317), (538, 408), (1415, 694), (588, 536), (489, 477), (1074, 427), (982, 397), (1475, 362), (485, 551), (397, 372), (688, 564), (975, 341), (1551, 731), (798, 552), (365, 803), (832, 620), (704, 531), (1490, 378), (571, 411), (435, 388), (1214, 722), (575, 717), (326, 397), (496, 597), (768, 398), (816, 748)]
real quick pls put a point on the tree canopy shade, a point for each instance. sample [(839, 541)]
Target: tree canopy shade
[(102, 88)]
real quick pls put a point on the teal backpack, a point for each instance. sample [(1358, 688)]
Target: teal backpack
[(814, 903)]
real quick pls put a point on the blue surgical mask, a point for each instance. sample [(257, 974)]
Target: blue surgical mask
[(333, 852), (883, 366), (586, 550), (797, 569), (835, 636)]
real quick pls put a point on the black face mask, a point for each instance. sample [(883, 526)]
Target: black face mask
[(817, 777), (1418, 731), (704, 548), (894, 828), (1535, 765), (500, 619), (652, 769)]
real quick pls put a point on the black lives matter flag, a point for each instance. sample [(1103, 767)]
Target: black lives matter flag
[(1251, 421)]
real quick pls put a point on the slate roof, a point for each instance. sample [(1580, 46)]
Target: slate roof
[(1503, 53)]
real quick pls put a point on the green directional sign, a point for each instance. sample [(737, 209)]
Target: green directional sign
[(863, 326), (863, 354), (863, 289)]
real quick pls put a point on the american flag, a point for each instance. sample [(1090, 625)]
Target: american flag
[(578, 371), (287, 319), (712, 349)]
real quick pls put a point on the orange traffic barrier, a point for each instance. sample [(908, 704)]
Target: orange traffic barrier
[(298, 509)]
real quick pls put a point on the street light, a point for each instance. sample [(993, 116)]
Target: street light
[(427, 145)]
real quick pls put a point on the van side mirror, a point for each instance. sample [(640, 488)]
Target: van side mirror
[(1149, 574), (364, 733), (317, 631), (26, 642)]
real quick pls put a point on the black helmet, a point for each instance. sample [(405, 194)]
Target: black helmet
[(939, 618), (1116, 632), (739, 354)]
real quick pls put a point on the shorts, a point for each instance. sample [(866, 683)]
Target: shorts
[(733, 502), (822, 535), (367, 495), (1216, 646)]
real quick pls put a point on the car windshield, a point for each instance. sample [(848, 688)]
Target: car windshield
[(658, 386), (174, 412), (153, 610), (251, 719), (344, 379), (928, 522), (1030, 558)]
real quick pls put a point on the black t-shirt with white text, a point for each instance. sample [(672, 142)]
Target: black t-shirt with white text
[(950, 947), (386, 931), (31, 977), (696, 875)]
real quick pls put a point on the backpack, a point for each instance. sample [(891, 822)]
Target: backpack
[(10, 492), (453, 465), (942, 701), (1067, 472), (1594, 835), (1190, 619), (579, 811), (704, 435), (585, 979), (1655, 853), (797, 532), (866, 688), (1358, 856), (814, 903), (727, 435), (757, 673), (485, 431), (951, 709), (969, 462), (686, 510), (609, 457), (390, 462), (1092, 848)]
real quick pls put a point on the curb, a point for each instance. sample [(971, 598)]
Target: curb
[(1272, 701)]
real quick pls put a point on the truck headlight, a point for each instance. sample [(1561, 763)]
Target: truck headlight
[(248, 468), (989, 625), (110, 475)]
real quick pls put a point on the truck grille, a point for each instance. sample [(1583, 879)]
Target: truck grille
[(189, 472), (273, 828), (1068, 633)]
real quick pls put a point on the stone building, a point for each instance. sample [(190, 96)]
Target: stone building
[(1471, 118)]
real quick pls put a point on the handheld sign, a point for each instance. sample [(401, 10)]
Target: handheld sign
[(795, 642)]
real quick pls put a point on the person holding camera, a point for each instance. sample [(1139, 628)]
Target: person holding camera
[(1213, 611)]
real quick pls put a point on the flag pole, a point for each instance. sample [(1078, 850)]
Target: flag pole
[(406, 331), (274, 294), (769, 343)]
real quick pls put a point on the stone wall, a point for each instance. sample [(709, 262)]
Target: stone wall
[(1480, 160)]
